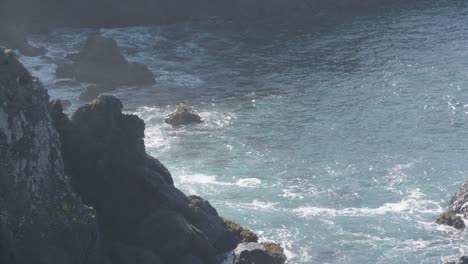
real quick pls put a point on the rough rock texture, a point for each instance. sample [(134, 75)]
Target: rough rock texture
[(139, 216), (252, 253), (15, 38), (276, 251), (459, 202), (100, 61), (41, 219), (458, 206), (451, 219), (133, 193), (461, 260), (183, 115), (122, 254)]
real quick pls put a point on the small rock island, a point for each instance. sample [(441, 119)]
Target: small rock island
[(184, 115)]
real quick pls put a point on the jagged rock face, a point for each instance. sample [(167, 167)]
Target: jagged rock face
[(133, 193), (41, 220), (458, 206), (459, 202), (100, 61)]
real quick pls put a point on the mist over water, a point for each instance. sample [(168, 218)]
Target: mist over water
[(343, 142)]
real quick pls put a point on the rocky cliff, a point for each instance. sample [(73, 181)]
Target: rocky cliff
[(83, 190), (41, 219), (133, 193)]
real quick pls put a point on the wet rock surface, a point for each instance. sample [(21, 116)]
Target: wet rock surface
[(101, 62), (184, 115), (458, 207)]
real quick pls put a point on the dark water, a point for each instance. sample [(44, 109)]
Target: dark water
[(343, 141)]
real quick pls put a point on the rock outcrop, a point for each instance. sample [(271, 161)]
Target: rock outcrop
[(82, 190), (459, 202), (184, 115), (250, 253), (451, 218), (458, 207), (101, 62), (41, 218), (133, 193), (461, 260)]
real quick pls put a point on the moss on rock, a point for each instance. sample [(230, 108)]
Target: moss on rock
[(450, 218), (183, 115), (276, 251), (245, 234)]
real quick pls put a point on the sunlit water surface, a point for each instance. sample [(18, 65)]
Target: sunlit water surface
[(343, 142)]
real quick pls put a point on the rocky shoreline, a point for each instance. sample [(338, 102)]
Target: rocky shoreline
[(83, 190)]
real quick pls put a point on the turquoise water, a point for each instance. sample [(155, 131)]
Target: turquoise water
[(343, 141)]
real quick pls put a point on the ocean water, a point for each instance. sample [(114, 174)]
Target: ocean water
[(341, 140)]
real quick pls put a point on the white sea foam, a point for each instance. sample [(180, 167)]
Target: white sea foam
[(412, 203), (199, 178), (249, 182)]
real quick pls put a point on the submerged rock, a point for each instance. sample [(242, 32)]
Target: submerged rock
[(42, 220), (184, 115), (100, 61)]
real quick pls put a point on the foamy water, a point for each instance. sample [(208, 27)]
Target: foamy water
[(343, 142)]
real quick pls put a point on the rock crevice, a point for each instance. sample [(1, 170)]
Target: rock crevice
[(83, 190)]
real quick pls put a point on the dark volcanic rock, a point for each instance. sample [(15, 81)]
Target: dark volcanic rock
[(133, 193), (41, 219), (123, 254), (100, 61), (15, 38), (183, 115), (252, 253)]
